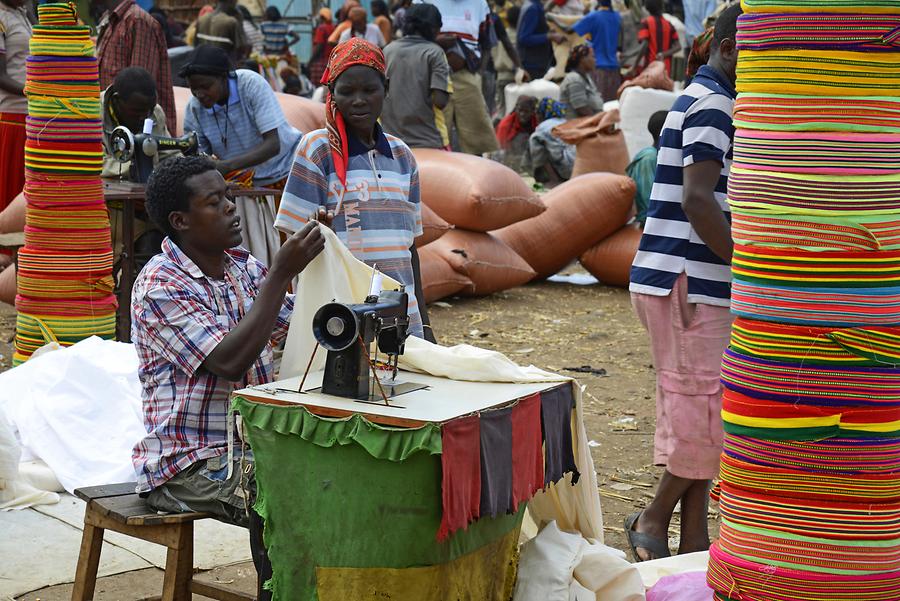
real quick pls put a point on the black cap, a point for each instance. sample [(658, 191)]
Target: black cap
[(207, 60)]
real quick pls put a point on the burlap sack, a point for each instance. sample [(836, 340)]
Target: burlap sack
[(610, 260), (439, 280), (12, 219), (433, 227), (653, 77), (8, 285), (490, 264), (580, 213), (599, 145), (474, 193)]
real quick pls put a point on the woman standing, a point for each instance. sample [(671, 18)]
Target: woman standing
[(361, 181), (238, 120), (15, 32), (578, 90)]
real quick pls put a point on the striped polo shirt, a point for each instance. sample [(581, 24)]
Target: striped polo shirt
[(380, 215), (698, 128)]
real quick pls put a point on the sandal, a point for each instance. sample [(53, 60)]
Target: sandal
[(640, 540)]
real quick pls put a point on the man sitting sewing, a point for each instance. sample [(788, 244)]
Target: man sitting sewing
[(205, 315)]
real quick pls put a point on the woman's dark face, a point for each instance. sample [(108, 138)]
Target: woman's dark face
[(359, 96), (208, 89)]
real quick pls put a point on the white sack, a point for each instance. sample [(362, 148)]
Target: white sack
[(79, 410), (636, 105)]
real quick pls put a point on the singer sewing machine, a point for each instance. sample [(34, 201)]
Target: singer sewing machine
[(142, 148), (348, 331)]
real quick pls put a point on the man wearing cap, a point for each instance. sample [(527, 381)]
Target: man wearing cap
[(238, 121)]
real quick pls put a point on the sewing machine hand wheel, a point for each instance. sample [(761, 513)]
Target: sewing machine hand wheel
[(121, 143)]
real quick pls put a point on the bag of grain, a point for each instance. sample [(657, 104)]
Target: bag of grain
[(490, 264), (653, 77), (433, 227), (580, 213), (539, 88), (610, 260), (439, 280), (599, 145), (8, 285), (473, 193), (12, 219)]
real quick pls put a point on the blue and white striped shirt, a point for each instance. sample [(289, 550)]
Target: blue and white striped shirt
[(698, 128), (376, 214)]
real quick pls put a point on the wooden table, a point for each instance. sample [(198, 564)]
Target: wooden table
[(131, 196)]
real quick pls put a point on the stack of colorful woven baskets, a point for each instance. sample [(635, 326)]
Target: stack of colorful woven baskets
[(810, 491), (65, 269)]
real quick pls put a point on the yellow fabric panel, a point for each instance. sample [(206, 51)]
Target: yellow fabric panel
[(487, 574)]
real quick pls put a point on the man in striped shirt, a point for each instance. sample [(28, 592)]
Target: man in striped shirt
[(680, 284)]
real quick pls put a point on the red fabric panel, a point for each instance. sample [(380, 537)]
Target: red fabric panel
[(461, 478), (527, 455)]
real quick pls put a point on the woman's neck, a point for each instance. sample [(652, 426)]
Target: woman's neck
[(367, 139)]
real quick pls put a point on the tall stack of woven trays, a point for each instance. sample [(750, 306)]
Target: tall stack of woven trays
[(65, 286), (810, 491)]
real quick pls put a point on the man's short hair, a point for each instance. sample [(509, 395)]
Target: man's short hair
[(422, 19), (656, 122), (168, 191), (134, 79), (654, 7), (726, 23)]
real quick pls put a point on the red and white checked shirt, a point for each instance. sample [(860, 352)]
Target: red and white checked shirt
[(129, 37), (179, 315)]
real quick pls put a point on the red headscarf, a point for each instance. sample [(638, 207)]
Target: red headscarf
[(355, 51)]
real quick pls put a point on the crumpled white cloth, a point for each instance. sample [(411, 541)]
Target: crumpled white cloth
[(563, 566), (334, 276), (79, 410), (15, 493)]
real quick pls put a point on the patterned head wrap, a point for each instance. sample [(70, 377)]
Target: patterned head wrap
[(548, 108), (355, 51), (700, 50), (578, 52)]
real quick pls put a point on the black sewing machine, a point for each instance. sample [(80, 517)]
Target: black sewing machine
[(347, 332), (141, 149)]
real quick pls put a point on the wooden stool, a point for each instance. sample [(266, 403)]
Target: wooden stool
[(118, 508)]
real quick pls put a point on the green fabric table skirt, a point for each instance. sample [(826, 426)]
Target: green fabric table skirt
[(351, 511)]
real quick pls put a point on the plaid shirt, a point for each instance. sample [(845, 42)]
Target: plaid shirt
[(129, 37), (179, 315)]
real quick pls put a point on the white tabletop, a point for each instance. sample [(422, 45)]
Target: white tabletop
[(442, 401)]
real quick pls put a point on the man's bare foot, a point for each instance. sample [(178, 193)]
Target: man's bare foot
[(648, 540)]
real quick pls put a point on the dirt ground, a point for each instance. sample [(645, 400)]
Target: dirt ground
[(553, 326)]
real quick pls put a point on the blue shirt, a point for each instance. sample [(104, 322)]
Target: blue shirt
[(532, 17), (231, 130), (604, 27), (698, 128)]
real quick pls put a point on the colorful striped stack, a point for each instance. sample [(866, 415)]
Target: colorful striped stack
[(65, 269), (810, 491)]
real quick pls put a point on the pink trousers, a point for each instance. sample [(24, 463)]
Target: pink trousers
[(687, 341)]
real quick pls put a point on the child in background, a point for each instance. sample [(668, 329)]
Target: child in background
[(642, 168)]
